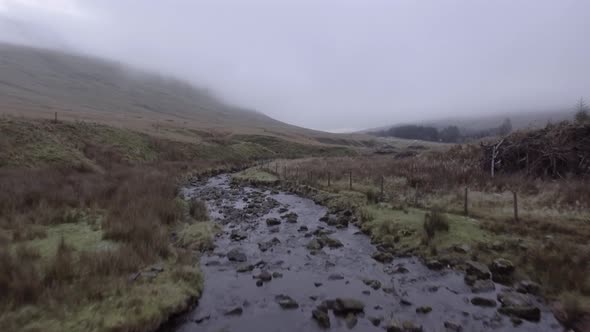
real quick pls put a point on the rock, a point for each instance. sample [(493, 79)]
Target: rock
[(264, 276), (265, 245), (259, 283), (321, 317), (366, 292), (303, 229), (245, 268), (462, 249), (433, 264), (313, 298), (238, 235), (406, 326), (283, 210), (515, 320), (483, 302), (388, 290), (156, 268), (234, 312), (382, 257), (375, 284), (330, 242), (502, 270), (350, 320), (423, 310), (236, 255), (497, 246), (277, 274), (290, 217), (274, 229), (528, 312), (374, 320), (453, 327), (513, 299), (314, 244), (335, 277), (344, 306), (528, 287), (483, 286), (273, 222), (479, 270), (399, 269), (286, 302), (201, 318), (405, 302), (317, 284)]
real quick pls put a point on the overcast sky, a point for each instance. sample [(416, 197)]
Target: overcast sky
[(337, 64)]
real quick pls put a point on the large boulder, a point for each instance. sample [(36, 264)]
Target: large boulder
[(518, 305), (483, 286)]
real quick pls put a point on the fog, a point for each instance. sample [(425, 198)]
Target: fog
[(336, 64)]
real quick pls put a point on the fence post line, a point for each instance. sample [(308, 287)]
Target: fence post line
[(515, 205), (55, 117), (350, 180), (328, 179), (466, 202), (285, 172)]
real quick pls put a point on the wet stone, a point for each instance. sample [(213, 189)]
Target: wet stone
[(335, 277), (483, 302), (343, 306), (314, 244), (478, 270), (236, 255), (350, 320), (286, 302), (321, 317), (453, 327), (273, 221), (483, 286), (234, 312), (382, 257), (375, 284), (405, 326), (433, 264), (245, 268), (264, 276), (423, 310), (376, 321), (528, 287)]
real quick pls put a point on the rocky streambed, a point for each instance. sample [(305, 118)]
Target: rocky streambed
[(284, 263)]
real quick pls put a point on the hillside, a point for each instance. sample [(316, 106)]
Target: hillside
[(38, 82)]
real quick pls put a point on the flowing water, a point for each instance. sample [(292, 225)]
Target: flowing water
[(238, 301)]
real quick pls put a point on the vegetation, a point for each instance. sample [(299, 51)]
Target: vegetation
[(86, 217), (449, 134), (548, 243)]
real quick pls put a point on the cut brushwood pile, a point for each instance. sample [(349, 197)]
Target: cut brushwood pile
[(554, 151)]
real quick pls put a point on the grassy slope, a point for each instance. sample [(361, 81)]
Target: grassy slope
[(56, 174), (36, 83)]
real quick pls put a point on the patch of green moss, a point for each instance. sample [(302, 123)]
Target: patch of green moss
[(198, 235)]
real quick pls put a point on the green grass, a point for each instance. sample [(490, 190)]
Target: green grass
[(255, 175), (198, 235)]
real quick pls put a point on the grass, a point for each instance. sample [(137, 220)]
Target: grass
[(548, 243), (255, 175)]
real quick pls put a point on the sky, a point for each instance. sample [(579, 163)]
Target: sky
[(336, 64)]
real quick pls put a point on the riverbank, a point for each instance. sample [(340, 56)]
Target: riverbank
[(283, 261), (400, 231)]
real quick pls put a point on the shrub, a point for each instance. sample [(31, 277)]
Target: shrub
[(435, 221), (372, 196), (198, 210), (366, 215)]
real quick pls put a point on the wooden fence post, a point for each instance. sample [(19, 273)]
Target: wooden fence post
[(416, 196), (466, 202), (277, 169), (285, 172), (350, 180), (382, 180), (515, 205), (328, 179), (55, 117)]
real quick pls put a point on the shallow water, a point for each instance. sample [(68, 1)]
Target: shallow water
[(225, 289)]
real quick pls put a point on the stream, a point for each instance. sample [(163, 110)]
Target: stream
[(263, 277)]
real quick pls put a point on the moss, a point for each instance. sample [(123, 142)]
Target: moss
[(255, 175), (198, 235)]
